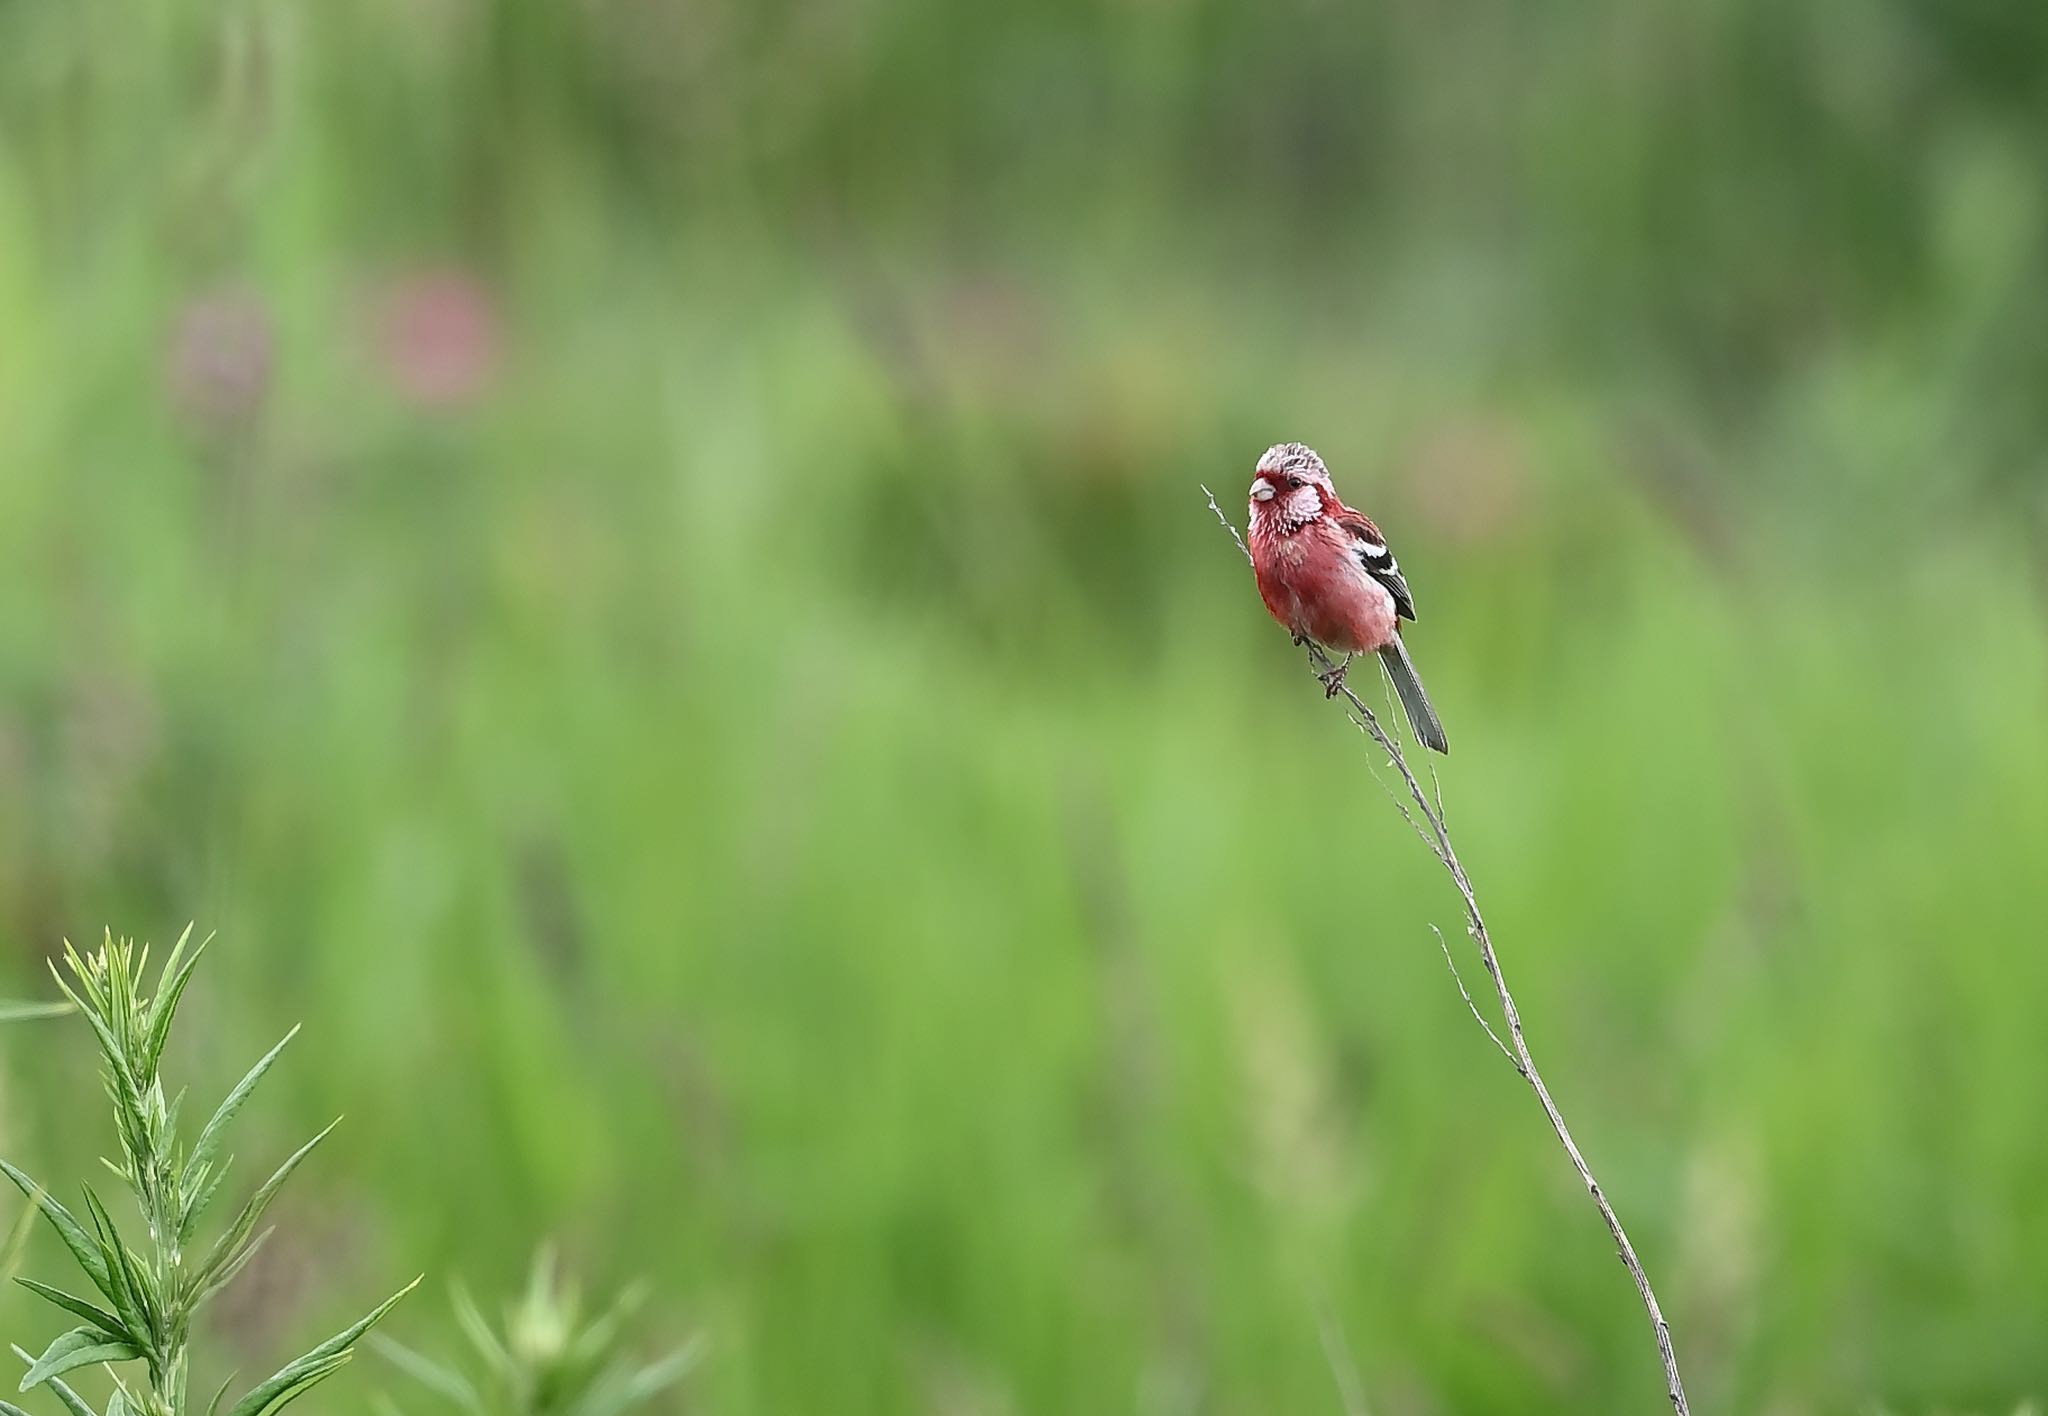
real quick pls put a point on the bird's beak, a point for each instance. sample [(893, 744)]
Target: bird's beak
[(1262, 490)]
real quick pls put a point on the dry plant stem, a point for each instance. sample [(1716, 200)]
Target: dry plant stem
[(1430, 827)]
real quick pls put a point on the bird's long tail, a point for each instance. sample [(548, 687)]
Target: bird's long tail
[(1408, 687)]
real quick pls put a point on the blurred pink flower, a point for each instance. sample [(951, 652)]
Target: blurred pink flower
[(437, 337), (220, 357)]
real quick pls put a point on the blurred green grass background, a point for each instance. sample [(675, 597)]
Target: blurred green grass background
[(642, 564)]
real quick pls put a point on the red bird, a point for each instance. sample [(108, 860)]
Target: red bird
[(1325, 572)]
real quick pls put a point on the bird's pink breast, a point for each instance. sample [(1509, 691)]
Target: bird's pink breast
[(1314, 584)]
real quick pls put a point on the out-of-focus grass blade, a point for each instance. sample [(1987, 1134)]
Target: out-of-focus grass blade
[(627, 1392), (428, 1373), (478, 1330), (17, 1241)]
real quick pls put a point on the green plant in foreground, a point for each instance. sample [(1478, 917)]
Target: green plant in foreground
[(153, 1290), (547, 1361), (11, 1012)]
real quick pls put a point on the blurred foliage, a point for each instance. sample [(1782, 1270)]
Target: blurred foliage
[(547, 1359), (642, 563)]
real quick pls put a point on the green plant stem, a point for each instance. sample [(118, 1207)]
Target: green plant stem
[(149, 1292)]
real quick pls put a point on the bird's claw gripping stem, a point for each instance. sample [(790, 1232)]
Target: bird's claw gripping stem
[(1333, 679)]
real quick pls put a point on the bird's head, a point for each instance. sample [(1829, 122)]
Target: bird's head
[(1288, 487)]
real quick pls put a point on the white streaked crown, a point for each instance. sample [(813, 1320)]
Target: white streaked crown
[(1293, 457)]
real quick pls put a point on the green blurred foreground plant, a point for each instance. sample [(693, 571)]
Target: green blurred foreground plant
[(152, 1290), (21, 1012), (547, 1361)]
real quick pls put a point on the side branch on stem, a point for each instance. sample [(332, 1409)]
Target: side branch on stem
[(1427, 819)]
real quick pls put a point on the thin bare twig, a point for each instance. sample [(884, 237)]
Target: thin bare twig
[(1477, 1016), (1437, 837)]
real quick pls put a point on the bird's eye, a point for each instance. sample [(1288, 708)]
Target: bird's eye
[(1294, 482)]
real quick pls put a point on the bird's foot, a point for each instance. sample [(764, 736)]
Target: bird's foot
[(1299, 638), (1333, 679)]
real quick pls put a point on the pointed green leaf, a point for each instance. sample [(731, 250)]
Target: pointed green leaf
[(294, 1378), (129, 1291), (73, 1402), (208, 1144), (213, 1406), (68, 1229), (8, 1408), (23, 1012), (170, 964), (177, 973), (230, 1243), (117, 1404), (304, 1381), (202, 1185), (99, 1317), (85, 982), (201, 1297), (82, 969), (80, 1347), (95, 1018)]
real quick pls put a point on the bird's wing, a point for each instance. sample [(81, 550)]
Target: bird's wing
[(1370, 546)]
